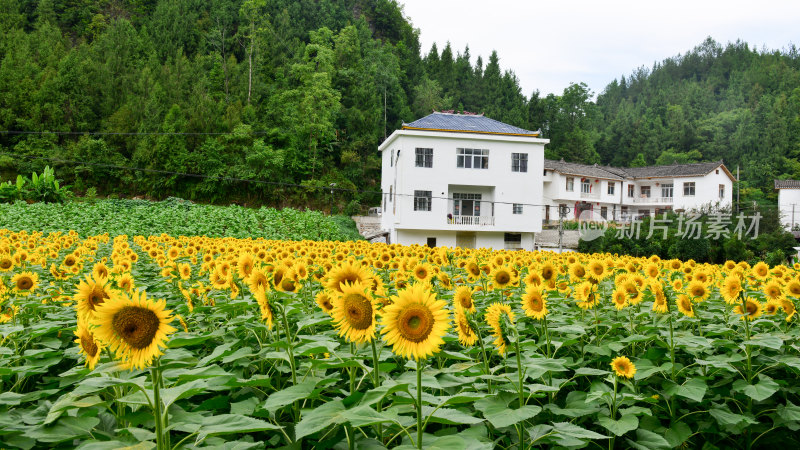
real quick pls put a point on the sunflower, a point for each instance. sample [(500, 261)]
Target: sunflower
[(244, 265), (731, 288), (753, 309), (91, 294), (99, 271), (185, 271), (6, 263), (697, 290), (494, 316), (793, 288), (534, 302), (623, 367), (788, 308), (771, 307), (25, 283), (549, 272), (88, 344), (347, 273), (422, 272), (260, 294), (126, 282), (462, 298), (133, 327), (685, 305), (324, 301), (354, 312), (597, 269), (660, 304), (773, 290), (760, 270), (415, 323), (502, 277), (577, 272), (473, 270), (620, 298), (466, 336)]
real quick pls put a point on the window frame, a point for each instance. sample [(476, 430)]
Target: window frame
[(570, 184), (471, 158), (516, 208), (423, 200), (631, 191), (611, 187), (668, 188), (645, 191), (423, 157), (586, 186), (689, 188), (519, 162), (721, 191)]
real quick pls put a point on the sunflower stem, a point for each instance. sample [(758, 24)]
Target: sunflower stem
[(671, 345), (419, 404), (520, 426), (155, 374), (747, 338), (477, 332), (377, 381)]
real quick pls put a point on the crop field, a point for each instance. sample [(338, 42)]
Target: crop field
[(112, 341)]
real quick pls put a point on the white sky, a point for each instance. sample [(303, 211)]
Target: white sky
[(550, 44)]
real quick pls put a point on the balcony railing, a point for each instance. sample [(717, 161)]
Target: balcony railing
[(480, 221), (590, 194), (653, 200)]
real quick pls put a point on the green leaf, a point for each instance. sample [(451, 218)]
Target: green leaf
[(497, 412), (790, 412), (186, 390), (693, 389), (729, 420), (759, 391), (765, 340), (290, 395), (590, 371), (363, 415), (621, 426), (318, 418), (582, 435), (377, 394), (648, 440), (223, 424), (11, 398), (677, 434), (449, 416)]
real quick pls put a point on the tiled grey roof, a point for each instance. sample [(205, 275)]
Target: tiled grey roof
[(584, 170), (672, 170), (618, 173), (470, 123), (787, 184)]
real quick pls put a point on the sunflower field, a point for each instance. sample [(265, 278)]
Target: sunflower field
[(169, 343)]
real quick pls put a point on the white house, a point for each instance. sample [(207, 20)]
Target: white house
[(789, 203), (621, 193), (462, 180)]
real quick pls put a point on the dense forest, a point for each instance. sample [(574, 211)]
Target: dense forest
[(302, 92)]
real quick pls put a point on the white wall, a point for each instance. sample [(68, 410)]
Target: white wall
[(787, 198), (493, 240), (497, 183)]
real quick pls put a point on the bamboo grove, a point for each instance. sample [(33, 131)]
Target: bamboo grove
[(188, 342)]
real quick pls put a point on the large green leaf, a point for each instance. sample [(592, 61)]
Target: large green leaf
[(278, 400), (223, 424), (497, 412), (759, 391), (621, 426), (648, 440)]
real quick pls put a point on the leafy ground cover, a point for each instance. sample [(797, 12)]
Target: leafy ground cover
[(175, 217), (199, 342)]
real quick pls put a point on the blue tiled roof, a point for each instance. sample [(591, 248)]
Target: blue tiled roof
[(467, 123)]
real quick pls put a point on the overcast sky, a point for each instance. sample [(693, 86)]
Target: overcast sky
[(551, 44)]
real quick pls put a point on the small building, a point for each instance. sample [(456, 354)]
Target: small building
[(623, 193), (789, 204), (462, 180)]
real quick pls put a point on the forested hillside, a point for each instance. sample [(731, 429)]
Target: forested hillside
[(302, 92), (275, 90)]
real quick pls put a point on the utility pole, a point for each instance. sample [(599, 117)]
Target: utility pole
[(792, 227)]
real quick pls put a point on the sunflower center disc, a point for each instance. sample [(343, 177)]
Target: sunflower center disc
[(24, 284), (415, 323), (359, 311), (5, 264), (136, 326), (88, 344)]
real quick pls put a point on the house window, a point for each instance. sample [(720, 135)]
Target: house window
[(604, 212), (586, 187), (717, 172), (644, 213), (630, 190), (422, 200), (424, 157), (688, 189), (721, 191), (666, 190), (466, 204), (512, 241), (431, 242), (517, 208), (545, 172), (519, 162), (611, 186), (645, 191), (570, 184), (623, 211), (471, 158)]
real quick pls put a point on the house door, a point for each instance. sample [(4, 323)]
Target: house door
[(547, 214), (465, 240)]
